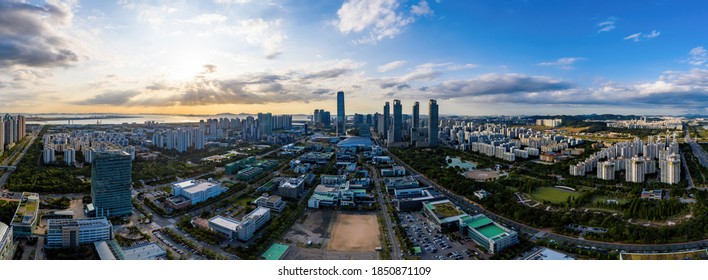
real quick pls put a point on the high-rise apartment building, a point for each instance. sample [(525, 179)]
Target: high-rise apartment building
[(386, 119), (671, 169), (635, 170)]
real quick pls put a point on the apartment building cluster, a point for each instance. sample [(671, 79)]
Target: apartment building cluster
[(637, 158), (549, 122), (507, 143), (666, 123), (84, 142), (402, 130), (12, 131)]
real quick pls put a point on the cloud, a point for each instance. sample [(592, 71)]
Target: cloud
[(209, 68), (32, 35), (391, 66), (381, 18), (110, 98), (265, 33), (635, 37), (565, 63), (207, 19), (607, 25), (493, 84), (638, 36), (699, 56), (230, 2), (422, 9), (311, 83), (422, 72)]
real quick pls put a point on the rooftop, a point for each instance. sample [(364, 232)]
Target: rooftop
[(491, 231), (225, 222), (444, 209), (27, 210), (194, 186), (275, 252), (148, 251)]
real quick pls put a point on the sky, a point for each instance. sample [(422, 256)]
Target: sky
[(286, 57)]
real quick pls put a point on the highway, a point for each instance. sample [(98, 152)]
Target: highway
[(7, 173), (470, 206), (697, 150)]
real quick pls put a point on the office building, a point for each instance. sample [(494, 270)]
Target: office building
[(265, 123), (489, 234), (66, 233), (341, 116), (415, 122), (397, 121), (433, 122), (272, 202), (26, 218), (111, 178), (7, 245), (291, 187), (242, 230), (386, 119), (196, 191)]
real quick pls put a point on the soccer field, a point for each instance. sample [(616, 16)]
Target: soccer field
[(552, 195)]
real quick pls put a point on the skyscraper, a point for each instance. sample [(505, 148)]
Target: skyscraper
[(2, 136), (341, 116), (416, 115), (433, 122), (111, 173), (386, 119), (397, 121), (265, 123)]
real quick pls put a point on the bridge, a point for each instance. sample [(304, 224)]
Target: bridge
[(8, 167)]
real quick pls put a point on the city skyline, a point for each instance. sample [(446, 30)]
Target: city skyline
[(248, 56)]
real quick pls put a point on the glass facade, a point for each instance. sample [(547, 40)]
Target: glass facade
[(110, 183)]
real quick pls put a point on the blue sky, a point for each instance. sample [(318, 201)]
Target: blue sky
[(475, 57)]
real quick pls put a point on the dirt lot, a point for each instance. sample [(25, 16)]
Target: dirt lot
[(313, 226), (355, 232)]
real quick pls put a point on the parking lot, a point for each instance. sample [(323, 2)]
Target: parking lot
[(434, 244)]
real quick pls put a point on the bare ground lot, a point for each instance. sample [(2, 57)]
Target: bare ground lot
[(355, 232), (334, 236)]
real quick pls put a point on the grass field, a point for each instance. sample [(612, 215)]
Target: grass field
[(552, 195), (695, 255), (604, 199)]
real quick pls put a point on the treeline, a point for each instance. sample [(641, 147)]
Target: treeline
[(210, 237), (7, 210), (32, 176)]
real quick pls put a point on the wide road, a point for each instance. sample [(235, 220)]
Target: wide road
[(396, 251), (7, 173), (697, 150), (471, 206)]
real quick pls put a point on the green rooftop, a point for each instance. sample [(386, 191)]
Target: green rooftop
[(479, 222), (275, 252), (490, 231), (417, 250), (445, 209)]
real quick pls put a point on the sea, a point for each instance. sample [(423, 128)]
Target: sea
[(89, 119)]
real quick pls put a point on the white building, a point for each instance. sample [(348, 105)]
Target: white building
[(671, 169), (69, 156), (606, 170), (635, 170), (65, 233), (244, 229), (48, 155), (197, 190)]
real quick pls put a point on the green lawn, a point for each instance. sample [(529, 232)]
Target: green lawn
[(552, 195), (604, 199)]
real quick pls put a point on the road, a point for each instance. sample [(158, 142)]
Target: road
[(470, 206), (396, 251), (689, 179), (697, 150), (7, 173)]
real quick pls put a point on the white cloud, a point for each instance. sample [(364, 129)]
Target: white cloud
[(638, 36), (607, 25), (208, 19), (653, 34), (635, 37), (565, 63), (699, 56), (381, 18), (391, 66), (229, 2), (264, 33), (422, 9)]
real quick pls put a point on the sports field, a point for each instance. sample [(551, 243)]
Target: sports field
[(552, 195)]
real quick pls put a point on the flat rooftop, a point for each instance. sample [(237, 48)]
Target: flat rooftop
[(491, 230), (444, 209), (148, 251), (225, 222), (275, 252), (193, 186)]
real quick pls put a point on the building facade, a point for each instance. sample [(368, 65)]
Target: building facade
[(67, 233), (433, 122), (111, 179)]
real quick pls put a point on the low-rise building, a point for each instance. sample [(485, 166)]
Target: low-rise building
[(393, 184), (291, 187), (489, 234), (272, 202), (66, 233), (244, 229), (197, 191), (445, 213), (249, 173), (25, 220), (396, 171), (149, 251)]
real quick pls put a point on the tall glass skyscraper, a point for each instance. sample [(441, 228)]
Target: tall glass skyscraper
[(433, 122), (341, 116), (386, 119), (416, 115), (111, 176), (397, 121)]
